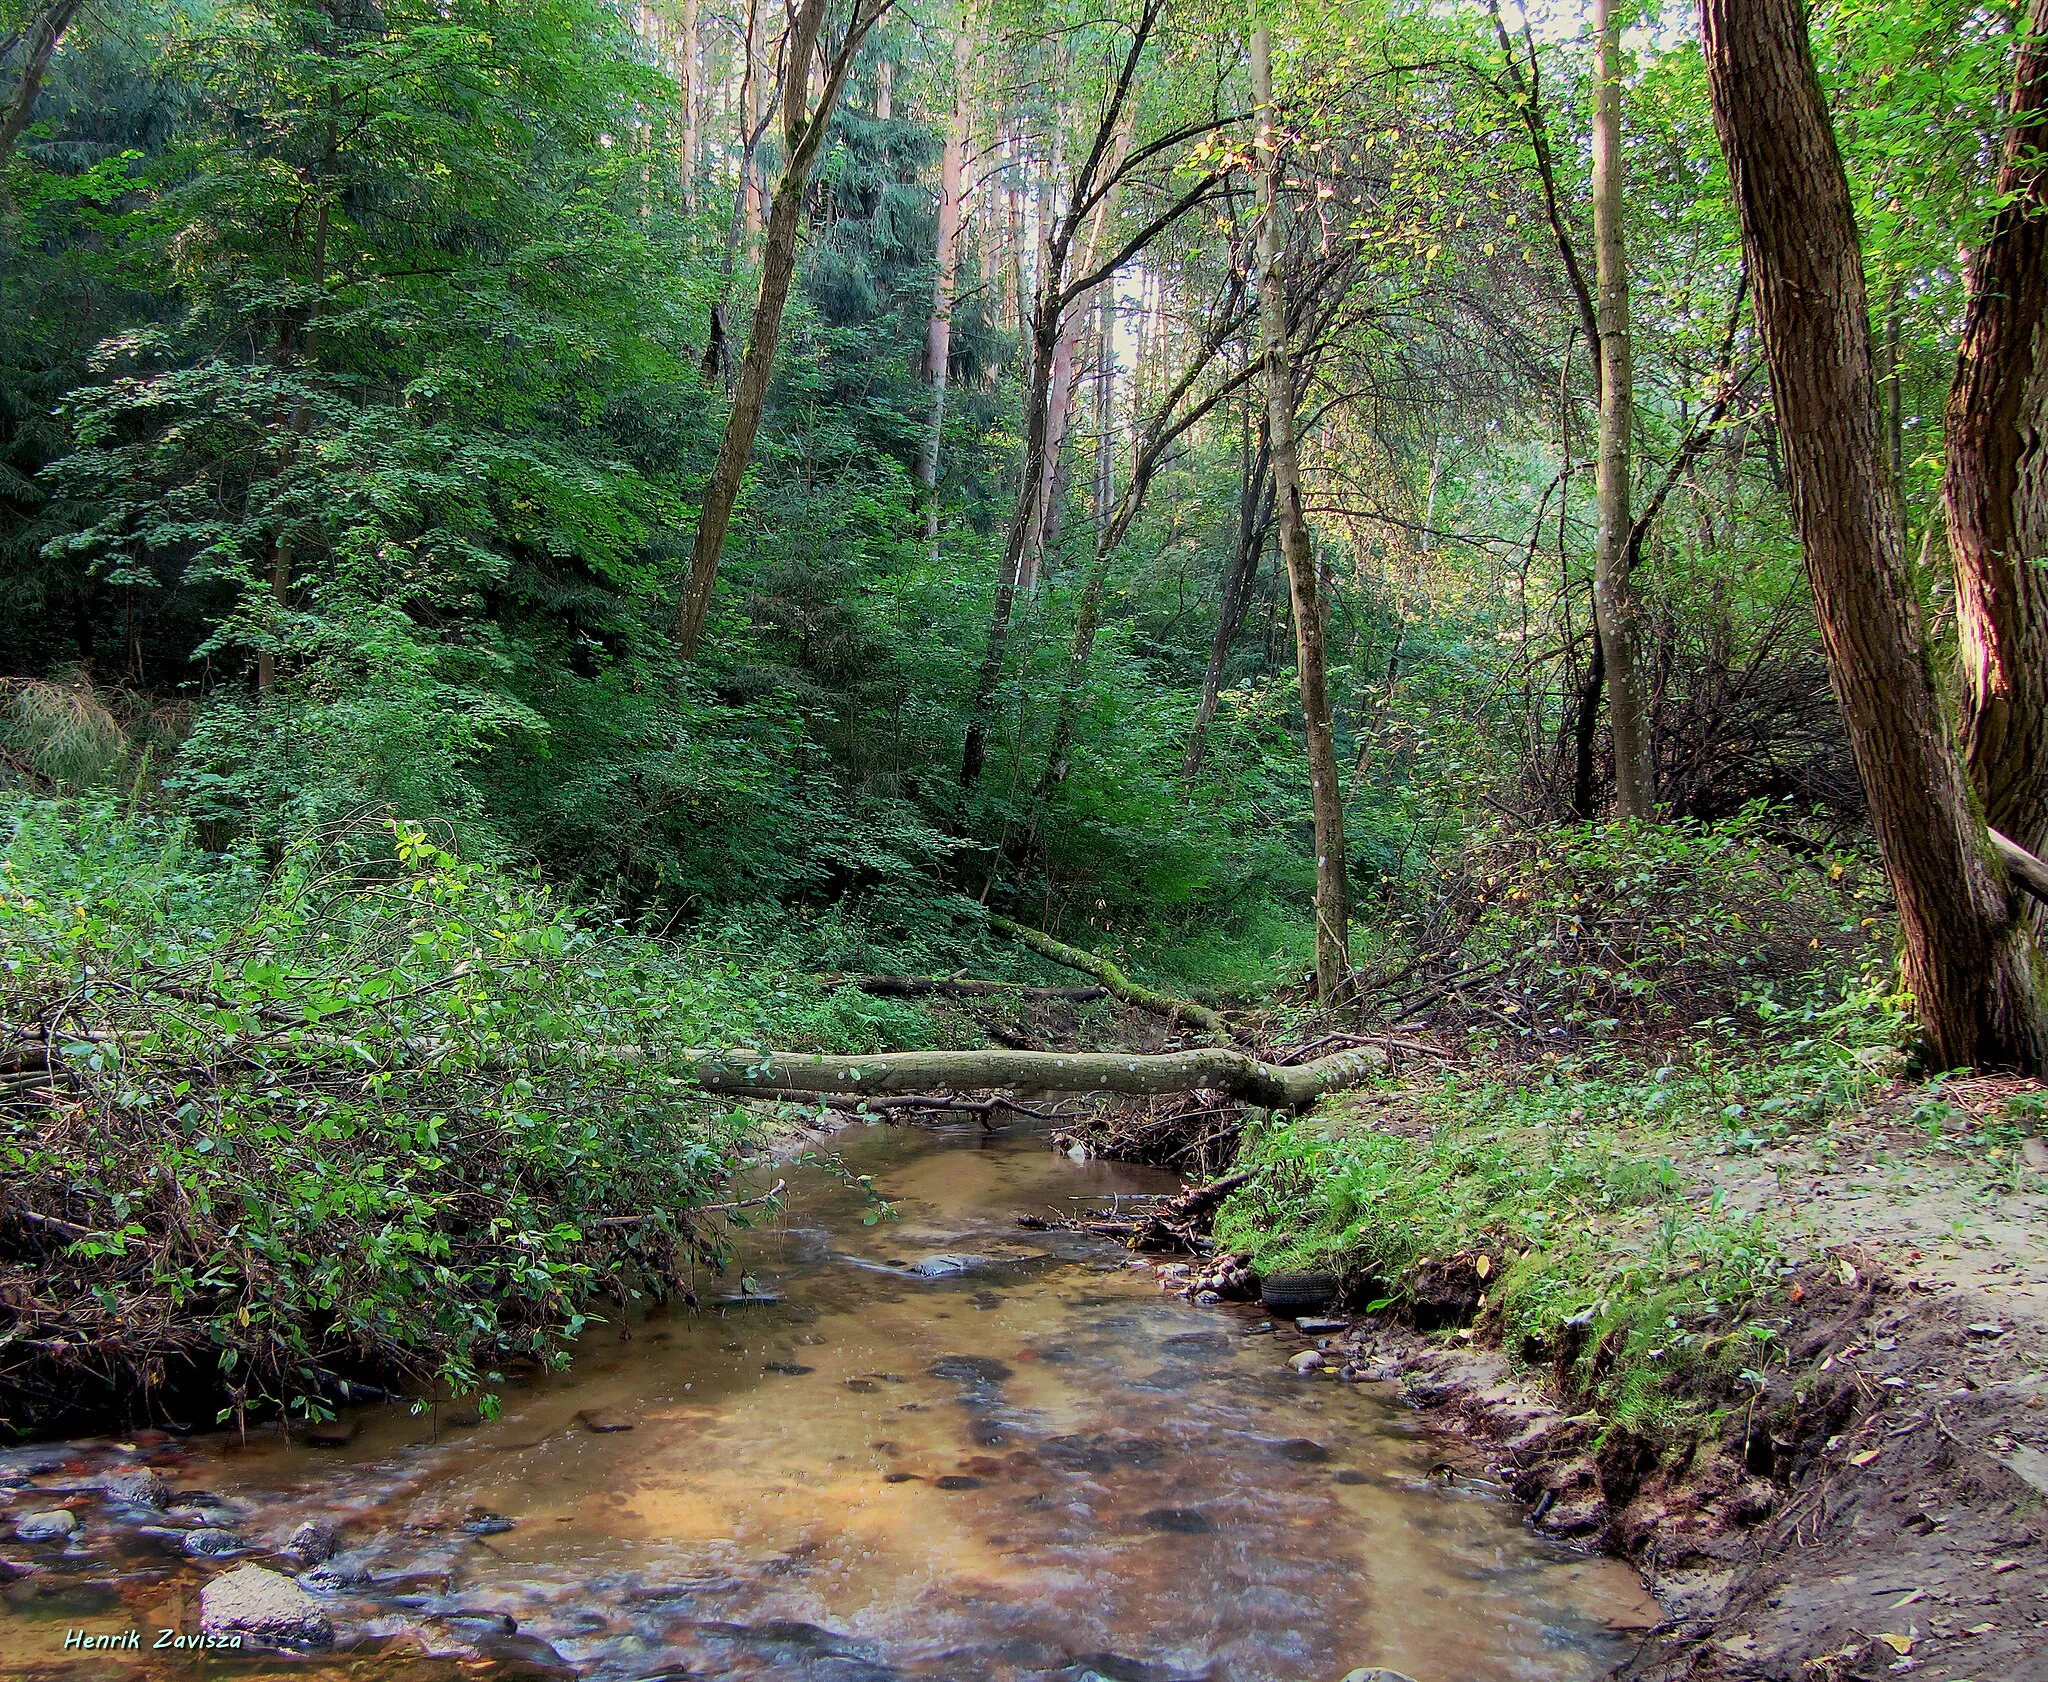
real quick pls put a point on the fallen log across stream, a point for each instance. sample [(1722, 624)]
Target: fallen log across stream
[(744, 1073)]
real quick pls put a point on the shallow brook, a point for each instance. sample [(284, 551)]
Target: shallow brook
[(934, 1447)]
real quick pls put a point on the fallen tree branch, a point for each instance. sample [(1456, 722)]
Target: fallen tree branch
[(743, 1073), (952, 987), (2023, 867), (1145, 998)]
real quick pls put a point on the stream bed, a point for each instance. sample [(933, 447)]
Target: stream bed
[(948, 1448)]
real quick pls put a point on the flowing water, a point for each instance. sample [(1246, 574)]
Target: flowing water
[(951, 1449)]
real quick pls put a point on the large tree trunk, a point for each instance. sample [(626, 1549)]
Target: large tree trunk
[(43, 34), (1967, 959), (1614, 608), (1997, 481), (938, 337), (1326, 794), (804, 134)]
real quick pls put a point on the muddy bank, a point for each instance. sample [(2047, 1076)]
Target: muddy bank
[(1877, 1504)]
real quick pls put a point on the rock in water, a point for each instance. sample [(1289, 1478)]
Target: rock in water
[(315, 1541), (1307, 1362), (1375, 1674), (603, 1421), (54, 1524), (143, 1485), (943, 1266), (209, 1543), (264, 1606), (338, 1574)]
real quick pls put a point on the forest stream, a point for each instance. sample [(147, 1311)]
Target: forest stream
[(918, 1448)]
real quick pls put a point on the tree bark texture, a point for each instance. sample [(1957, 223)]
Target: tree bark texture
[(804, 134), (1967, 959), (1996, 485), (1333, 931), (1614, 608)]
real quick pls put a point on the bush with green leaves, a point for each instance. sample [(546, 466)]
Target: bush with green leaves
[(374, 1113), (1601, 1259)]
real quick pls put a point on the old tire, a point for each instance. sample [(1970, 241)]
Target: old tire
[(1290, 1295)]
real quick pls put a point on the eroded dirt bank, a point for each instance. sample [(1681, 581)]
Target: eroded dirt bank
[(1873, 1497)]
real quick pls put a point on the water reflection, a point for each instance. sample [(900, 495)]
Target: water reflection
[(942, 1453)]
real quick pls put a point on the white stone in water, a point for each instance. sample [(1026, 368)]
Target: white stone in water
[(264, 1605), (1376, 1674), (54, 1524), (1306, 1362)]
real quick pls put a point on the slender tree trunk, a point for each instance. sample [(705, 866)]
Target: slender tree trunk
[(1614, 608), (804, 133), (43, 34), (755, 102), (1105, 411), (885, 90), (1254, 520), (1048, 314), (1996, 486), (1967, 958), (1014, 295), (1066, 374), (1333, 932), (693, 95), (938, 338)]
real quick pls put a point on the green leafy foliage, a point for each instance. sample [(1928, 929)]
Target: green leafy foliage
[(374, 1111)]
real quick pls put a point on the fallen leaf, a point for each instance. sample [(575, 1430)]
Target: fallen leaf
[(1865, 1458), (1483, 1266), (1899, 1644), (1849, 1278), (1908, 1599), (1798, 1293), (2001, 1565)]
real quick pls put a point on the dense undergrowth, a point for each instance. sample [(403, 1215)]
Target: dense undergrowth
[(370, 1112), (1628, 1000)]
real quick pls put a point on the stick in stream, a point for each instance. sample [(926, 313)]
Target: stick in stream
[(1145, 998)]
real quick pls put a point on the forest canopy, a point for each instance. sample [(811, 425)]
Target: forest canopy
[(1170, 477)]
